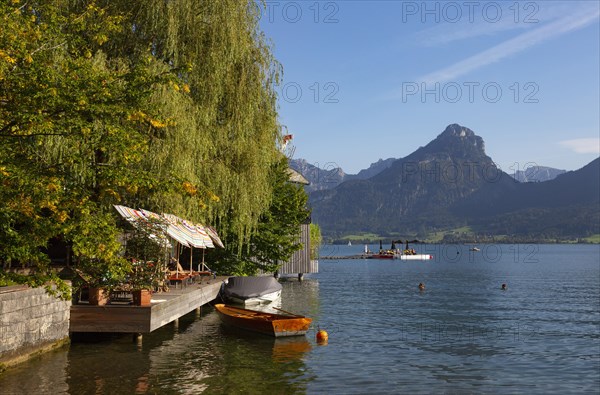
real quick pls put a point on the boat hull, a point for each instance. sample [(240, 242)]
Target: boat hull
[(251, 290), (264, 299), (382, 256), (276, 325)]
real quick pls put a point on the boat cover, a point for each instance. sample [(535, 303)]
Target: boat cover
[(250, 287)]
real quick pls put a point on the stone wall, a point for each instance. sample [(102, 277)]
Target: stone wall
[(31, 321)]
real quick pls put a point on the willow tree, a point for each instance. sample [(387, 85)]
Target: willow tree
[(277, 234), (221, 121), (221, 139)]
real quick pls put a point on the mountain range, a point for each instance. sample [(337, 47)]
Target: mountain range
[(451, 183), (537, 174), (330, 175)]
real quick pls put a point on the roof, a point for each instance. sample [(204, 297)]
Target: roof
[(296, 177)]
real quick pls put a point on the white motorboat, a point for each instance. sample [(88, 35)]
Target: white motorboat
[(251, 290), (415, 257)]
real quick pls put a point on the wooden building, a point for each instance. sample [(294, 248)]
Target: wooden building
[(300, 263)]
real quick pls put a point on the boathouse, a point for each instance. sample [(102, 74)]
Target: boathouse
[(300, 263)]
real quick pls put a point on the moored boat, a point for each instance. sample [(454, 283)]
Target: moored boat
[(277, 325), (415, 257), (251, 290), (382, 255)]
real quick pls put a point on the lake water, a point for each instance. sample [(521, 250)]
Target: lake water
[(462, 335)]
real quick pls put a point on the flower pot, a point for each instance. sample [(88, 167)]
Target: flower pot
[(98, 296), (142, 297)]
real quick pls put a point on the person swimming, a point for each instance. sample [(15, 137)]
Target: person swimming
[(504, 287), (421, 287)]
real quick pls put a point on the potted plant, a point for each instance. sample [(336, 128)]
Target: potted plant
[(97, 252), (146, 264), (101, 276), (143, 279)]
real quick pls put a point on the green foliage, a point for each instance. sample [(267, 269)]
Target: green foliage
[(169, 106), (315, 240), (145, 275), (593, 239), (276, 236), (147, 257)]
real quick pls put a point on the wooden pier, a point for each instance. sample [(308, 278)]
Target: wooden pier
[(362, 256), (166, 307)]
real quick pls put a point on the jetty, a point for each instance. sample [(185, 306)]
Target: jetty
[(416, 257), (361, 256), (166, 307)]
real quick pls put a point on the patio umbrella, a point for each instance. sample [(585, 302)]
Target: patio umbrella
[(144, 222), (207, 241), (205, 237), (196, 239), (214, 236), (158, 227), (174, 229)]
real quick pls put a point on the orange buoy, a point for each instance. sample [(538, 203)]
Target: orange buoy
[(322, 337)]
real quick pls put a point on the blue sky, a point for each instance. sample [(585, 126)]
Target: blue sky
[(365, 80)]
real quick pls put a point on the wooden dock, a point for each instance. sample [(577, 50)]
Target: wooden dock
[(166, 307), (331, 257)]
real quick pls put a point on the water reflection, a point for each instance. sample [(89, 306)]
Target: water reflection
[(45, 374), (461, 335), (196, 355)]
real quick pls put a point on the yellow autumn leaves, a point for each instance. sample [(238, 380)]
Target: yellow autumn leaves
[(156, 123)]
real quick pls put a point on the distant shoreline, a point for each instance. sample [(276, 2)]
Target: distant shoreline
[(471, 242)]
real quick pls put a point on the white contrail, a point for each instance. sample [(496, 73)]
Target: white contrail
[(512, 46)]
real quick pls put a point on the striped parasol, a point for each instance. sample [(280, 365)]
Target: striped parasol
[(214, 236), (174, 229), (158, 227), (145, 222), (205, 237)]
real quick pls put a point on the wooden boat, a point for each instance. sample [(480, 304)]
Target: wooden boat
[(277, 325)]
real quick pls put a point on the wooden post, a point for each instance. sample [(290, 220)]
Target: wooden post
[(137, 338), (300, 276)]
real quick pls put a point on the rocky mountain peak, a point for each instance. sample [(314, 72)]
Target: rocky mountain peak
[(460, 141), (456, 130)]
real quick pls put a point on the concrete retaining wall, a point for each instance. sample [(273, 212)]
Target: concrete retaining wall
[(31, 322)]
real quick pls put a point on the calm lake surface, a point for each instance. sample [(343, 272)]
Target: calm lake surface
[(462, 335)]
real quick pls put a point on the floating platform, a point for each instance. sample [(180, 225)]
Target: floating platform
[(345, 257), (417, 257), (166, 307)]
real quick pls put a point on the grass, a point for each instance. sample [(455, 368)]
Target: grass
[(363, 236), (593, 239), (436, 237)]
